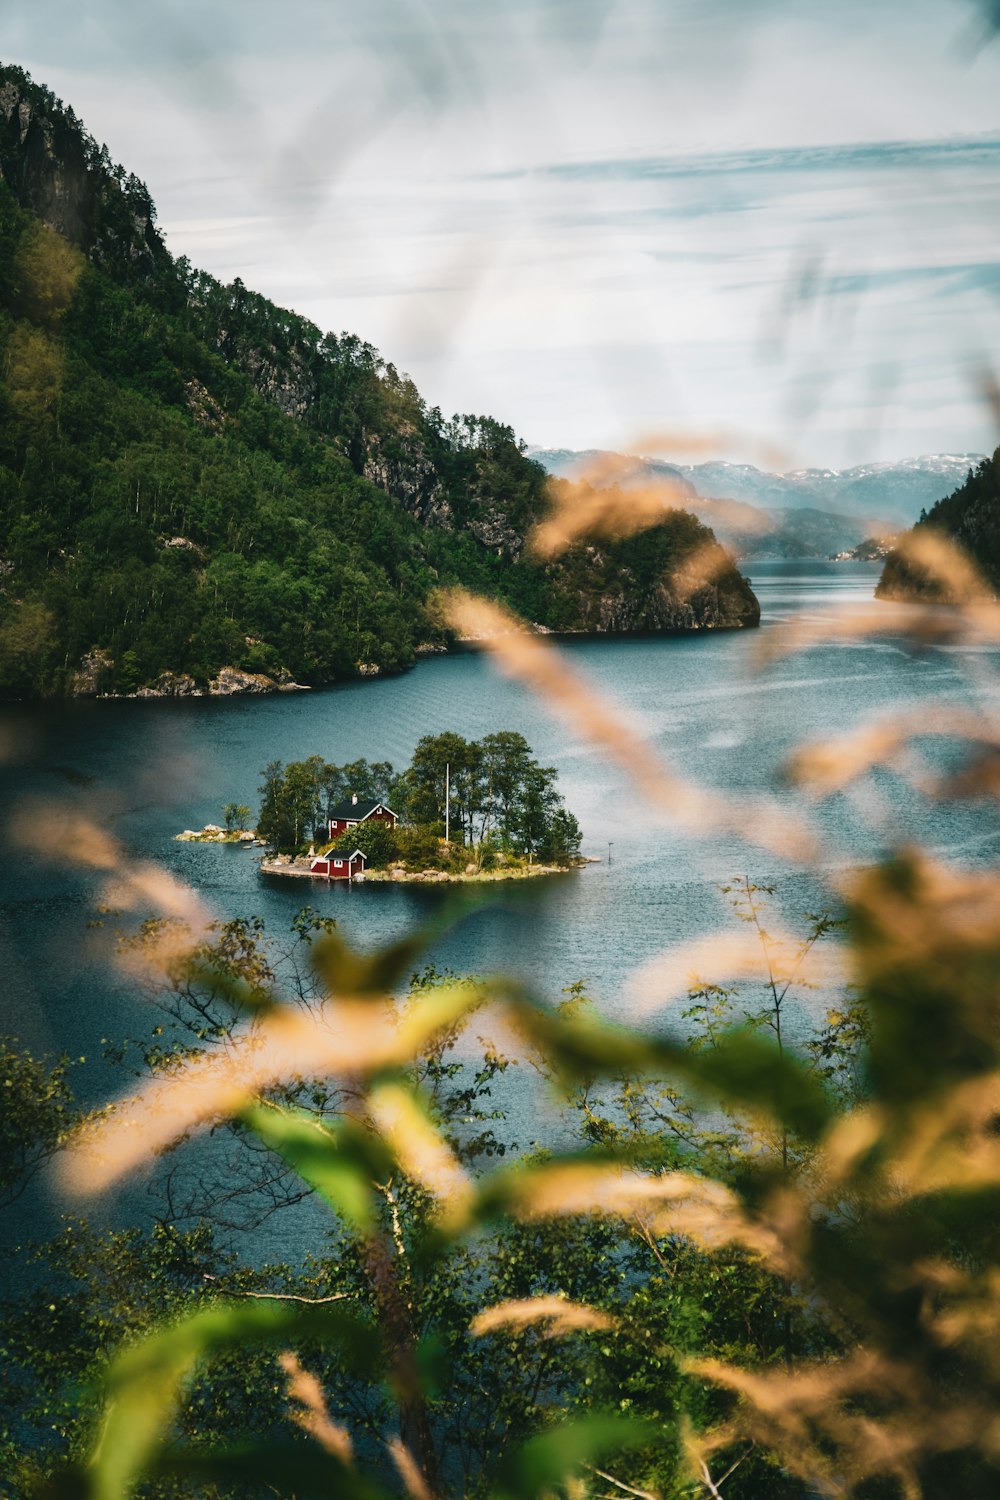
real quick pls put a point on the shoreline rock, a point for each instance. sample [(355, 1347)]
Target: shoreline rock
[(213, 834), (298, 869), (231, 682)]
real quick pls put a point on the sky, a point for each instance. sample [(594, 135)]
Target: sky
[(763, 230)]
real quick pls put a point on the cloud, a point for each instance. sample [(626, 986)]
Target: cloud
[(583, 215), (949, 153)]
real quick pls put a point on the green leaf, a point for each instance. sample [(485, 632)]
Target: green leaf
[(748, 1069), (339, 1161), (743, 1068), (300, 1469), (551, 1457), (144, 1384), (344, 971)]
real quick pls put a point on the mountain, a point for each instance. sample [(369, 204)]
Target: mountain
[(894, 492), (969, 517), (202, 491), (749, 531)]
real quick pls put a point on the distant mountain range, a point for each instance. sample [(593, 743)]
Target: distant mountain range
[(805, 513)]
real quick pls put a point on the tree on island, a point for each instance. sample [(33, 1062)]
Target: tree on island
[(237, 816), (500, 800)]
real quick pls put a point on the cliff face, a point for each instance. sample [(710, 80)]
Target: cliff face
[(970, 517), (644, 583), (193, 479), (58, 172), (731, 605)]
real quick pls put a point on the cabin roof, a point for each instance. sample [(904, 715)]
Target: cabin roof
[(359, 810), (338, 854)]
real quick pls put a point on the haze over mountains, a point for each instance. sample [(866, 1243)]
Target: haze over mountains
[(804, 513)]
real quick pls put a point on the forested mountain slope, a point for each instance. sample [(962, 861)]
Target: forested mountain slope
[(192, 478), (971, 517)]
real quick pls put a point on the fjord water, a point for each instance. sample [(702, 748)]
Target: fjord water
[(146, 770)]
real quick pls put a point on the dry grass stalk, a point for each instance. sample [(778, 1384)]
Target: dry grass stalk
[(945, 563), (414, 1482), (419, 1148), (346, 1038), (712, 442), (560, 1315), (719, 958), (699, 570), (673, 1203), (829, 765), (547, 672), (586, 508), (132, 885), (311, 1413), (817, 1416), (971, 615)]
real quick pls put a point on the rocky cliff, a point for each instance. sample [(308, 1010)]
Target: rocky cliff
[(57, 171)]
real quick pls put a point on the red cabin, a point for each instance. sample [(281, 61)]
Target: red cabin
[(350, 813), (334, 866)]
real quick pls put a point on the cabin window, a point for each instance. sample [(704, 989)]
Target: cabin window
[(338, 864)]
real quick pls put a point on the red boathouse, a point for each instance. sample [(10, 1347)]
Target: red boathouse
[(336, 866), (350, 813)]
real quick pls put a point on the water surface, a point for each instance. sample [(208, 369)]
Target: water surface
[(149, 769)]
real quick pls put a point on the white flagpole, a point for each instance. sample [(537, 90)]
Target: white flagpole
[(447, 803)]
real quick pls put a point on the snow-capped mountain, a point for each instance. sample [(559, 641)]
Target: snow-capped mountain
[(895, 492)]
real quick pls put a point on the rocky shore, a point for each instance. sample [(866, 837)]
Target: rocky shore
[(213, 834), (96, 667), (298, 868)]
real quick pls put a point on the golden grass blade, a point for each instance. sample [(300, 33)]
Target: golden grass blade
[(346, 1039), (968, 610), (699, 570), (827, 766), (722, 957), (311, 1413), (557, 1313), (581, 508), (414, 1483), (535, 663), (673, 1203), (50, 830), (419, 1148), (920, 625), (711, 442), (944, 562)]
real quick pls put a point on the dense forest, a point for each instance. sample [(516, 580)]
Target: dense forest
[(192, 478), (970, 518)]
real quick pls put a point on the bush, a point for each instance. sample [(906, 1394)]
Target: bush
[(420, 847), (377, 841)]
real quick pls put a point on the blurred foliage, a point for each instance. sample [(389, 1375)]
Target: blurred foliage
[(750, 1268), (771, 1264), (493, 1412)]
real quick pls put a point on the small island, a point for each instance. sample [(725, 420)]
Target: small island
[(463, 810)]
